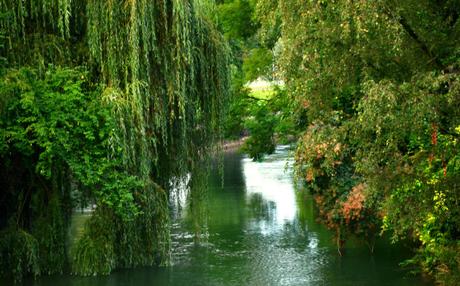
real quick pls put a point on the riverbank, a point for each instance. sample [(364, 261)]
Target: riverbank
[(233, 145)]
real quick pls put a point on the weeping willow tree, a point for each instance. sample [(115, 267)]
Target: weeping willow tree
[(154, 78)]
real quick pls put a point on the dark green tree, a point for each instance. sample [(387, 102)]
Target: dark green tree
[(376, 87), (102, 102)]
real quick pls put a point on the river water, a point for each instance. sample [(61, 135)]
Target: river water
[(258, 230)]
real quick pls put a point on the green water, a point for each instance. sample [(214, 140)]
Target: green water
[(257, 231)]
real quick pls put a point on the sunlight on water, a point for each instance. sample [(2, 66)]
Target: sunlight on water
[(258, 230), (264, 179)]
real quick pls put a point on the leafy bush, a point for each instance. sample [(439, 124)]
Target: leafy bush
[(346, 205), (94, 252), (19, 254), (261, 128), (110, 241), (257, 63), (50, 231)]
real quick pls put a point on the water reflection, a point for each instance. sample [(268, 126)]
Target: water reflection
[(259, 231), (272, 183)]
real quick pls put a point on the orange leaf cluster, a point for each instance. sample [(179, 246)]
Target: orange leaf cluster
[(320, 150), (337, 148), (352, 207), (310, 175), (434, 134)]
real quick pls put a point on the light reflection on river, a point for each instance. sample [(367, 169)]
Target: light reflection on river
[(258, 231)]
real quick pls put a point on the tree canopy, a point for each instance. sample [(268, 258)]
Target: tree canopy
[(377, 84), (110, 103), (103, 102)]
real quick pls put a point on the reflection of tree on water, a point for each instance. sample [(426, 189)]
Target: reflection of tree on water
[(195, 212), (197, 216), (232, 172), (242, 234), (307, 211), (259, 208), (204, 190)]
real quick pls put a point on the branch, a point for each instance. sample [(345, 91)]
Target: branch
[(423, 46), (256, 98), (417, 39)]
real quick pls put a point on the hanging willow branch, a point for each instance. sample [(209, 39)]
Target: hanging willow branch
[(164, 71)]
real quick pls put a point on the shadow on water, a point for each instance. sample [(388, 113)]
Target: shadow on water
[(258, 231)]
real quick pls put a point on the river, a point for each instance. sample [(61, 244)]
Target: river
[(258, 230)]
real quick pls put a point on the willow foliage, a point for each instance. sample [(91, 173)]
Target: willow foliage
[(165, 71), (159, 74)]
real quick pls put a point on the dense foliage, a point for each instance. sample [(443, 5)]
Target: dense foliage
[(261, 127), (102, 103), (110, 103), (377, 88), (265, 115)]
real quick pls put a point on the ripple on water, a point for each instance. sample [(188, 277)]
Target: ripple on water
[(257, 234)]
